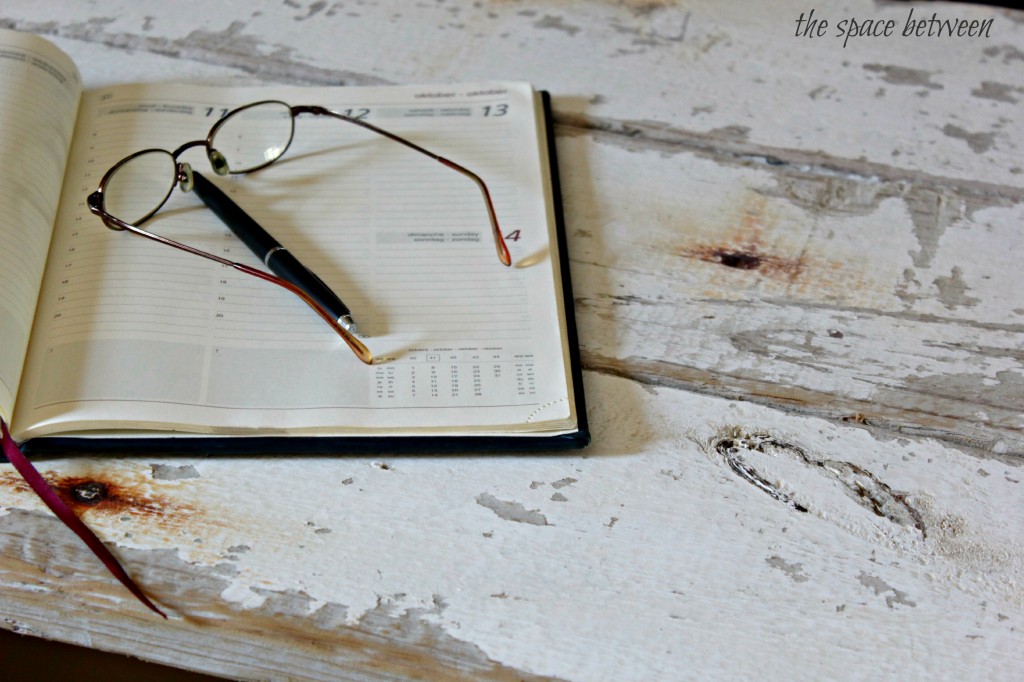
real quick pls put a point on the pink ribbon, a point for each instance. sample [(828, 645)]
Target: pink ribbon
[(57, 506)]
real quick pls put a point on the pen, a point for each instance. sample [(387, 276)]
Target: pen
[(280, 261)]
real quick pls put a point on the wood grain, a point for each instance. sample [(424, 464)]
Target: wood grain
[(796, 269)]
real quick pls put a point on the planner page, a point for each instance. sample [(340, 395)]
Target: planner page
[(39, 91), (135, 334)]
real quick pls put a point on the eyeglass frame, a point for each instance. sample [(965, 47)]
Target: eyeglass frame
[(183, 179)]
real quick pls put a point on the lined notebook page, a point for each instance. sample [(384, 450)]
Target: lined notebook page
[(39, 89), (162, 339)]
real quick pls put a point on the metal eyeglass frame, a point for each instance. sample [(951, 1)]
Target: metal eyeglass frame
[(219, 165)]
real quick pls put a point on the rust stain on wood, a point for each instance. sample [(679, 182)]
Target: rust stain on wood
[(760, 244), (111, 494), (755, 241), (12, 483), (726, 253)]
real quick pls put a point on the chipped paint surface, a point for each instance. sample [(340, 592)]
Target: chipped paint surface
[(736, 49), (511, 511), (794, 571), (714, 291), (797, 280), (629, 538)]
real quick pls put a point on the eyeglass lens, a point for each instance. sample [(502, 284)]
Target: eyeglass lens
[(246, 140), (254, 136), (139, 186)]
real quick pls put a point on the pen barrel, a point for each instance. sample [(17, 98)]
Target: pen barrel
[(238, 221), (286, 266), (267, 249)]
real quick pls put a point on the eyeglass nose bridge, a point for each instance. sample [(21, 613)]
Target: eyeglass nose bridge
[(185, 180), (217, 162)]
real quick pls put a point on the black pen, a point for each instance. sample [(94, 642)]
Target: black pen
[(280, 261)]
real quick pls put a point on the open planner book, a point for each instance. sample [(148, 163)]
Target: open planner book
[(112, 342)]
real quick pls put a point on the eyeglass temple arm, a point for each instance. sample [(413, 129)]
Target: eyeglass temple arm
[(499, 241), (357, 346)]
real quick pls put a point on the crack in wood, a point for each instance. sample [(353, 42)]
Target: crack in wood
[(755, 308), (885, 421), (233, 48), (659, 136), (230, 47), (902, 315)]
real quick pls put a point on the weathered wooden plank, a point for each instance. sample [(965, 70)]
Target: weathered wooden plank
[(829, 231), (891, 302), (873, 283), (732, 71), (656, 552)]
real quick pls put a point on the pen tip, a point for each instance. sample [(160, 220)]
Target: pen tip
[(347, 323)]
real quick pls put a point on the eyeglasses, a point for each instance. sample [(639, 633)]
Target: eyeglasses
[(245, 140)]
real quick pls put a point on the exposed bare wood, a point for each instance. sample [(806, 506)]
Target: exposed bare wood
[(797, 279)]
